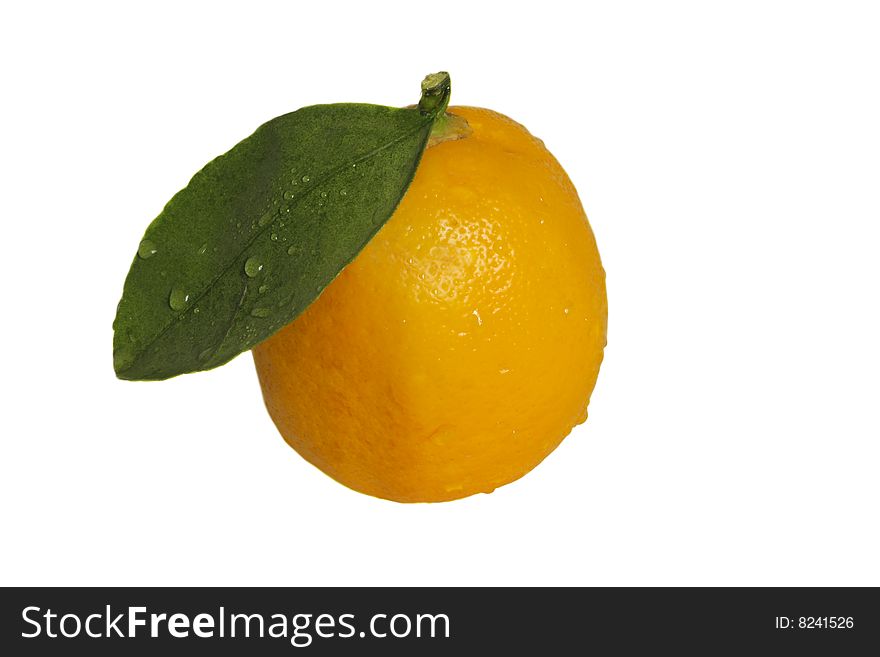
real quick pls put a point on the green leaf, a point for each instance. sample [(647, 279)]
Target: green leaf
[(262, 230)]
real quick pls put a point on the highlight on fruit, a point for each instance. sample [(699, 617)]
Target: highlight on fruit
[(419, 286)]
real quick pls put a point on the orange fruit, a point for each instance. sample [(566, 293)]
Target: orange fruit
[(462, 344)]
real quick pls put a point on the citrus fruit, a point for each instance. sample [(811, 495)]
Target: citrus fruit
[(462, 344)]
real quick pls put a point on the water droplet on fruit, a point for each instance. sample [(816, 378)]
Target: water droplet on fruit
[(146, 249), (261, 312), (178, 298), (253, 266)]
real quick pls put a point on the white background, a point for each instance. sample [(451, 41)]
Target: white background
[(728, 155)]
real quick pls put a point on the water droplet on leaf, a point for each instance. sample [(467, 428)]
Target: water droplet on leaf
[(261, 312), (178, 298), (253, 266), (305, 179), (146, 249)]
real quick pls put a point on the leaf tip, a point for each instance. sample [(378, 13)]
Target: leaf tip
[(122, 360)]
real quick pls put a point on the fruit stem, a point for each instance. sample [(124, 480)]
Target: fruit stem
[(436, 89)]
